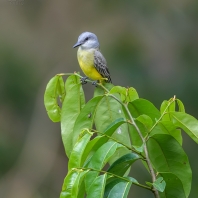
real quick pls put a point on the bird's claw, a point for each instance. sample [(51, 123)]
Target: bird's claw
[(94, 83), (83, 80)]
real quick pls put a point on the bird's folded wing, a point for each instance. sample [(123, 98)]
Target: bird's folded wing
[(101, 65)]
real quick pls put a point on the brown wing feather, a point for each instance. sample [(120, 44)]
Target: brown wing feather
[(101, 65)]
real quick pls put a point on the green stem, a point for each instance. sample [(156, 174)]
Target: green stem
[(65, 74), (122, 178)]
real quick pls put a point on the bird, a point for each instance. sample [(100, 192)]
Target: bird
[(90, 59)]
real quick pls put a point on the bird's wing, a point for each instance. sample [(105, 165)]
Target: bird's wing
[(101, 65)]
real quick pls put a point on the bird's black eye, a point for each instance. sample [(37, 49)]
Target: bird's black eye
[(86, 39)]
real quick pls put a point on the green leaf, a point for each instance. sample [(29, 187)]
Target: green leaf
[(167, 155), (141, 106), (97, 188), (120, 190), (99, 159), (136, 140), (139, 148), (109, 110), (166, 107), (131, 94), (55, 88), (98, 141), (76, 154), (159, 184), (99, 91), (114, 125), (121, 90), (88, 152), (187, 122), (149, 184), (110, 185), (146, 121), (81, 186), (167, 127), (126, 94), (85, 119), (121, 165), (180, 106), (70, 110), (71, 183), (174, 187)]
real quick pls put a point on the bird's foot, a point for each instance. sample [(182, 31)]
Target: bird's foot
[(94, 83), (83, 80)]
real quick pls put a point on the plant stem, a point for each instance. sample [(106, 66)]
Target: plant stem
[(64, 74), (122, 178)]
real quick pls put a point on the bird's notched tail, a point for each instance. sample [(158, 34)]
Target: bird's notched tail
[(90, 59)]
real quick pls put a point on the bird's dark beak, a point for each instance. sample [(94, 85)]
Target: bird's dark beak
[(77, 44)]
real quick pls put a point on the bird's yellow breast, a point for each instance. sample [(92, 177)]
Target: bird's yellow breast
[(86, 62)]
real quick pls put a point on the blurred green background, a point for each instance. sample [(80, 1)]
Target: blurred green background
[(149, 45)]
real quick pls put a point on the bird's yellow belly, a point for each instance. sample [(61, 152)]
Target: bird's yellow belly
[(86, 62)]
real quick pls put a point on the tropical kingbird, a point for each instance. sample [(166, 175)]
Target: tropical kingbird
[(90, 59)]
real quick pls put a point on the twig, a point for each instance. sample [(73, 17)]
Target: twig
[(122, 178)]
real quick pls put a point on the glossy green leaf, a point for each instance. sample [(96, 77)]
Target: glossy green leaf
[(99, 91), (98, 141), (88, 152), (167, 155), (181, 107), (79, 147), (109, 110), (70, 110), (149, 184), (167, 127), (71, 183), (120, 190), (126, 94), (97, 187), (99, 159), (55, 89), (174, 187), (141, 106), (131, 94), (159, 184), (121, 165), (114, 125), (187, 122), (139, 148), (136, 140), (81, 186), (110, 185), (146, 121), (120, 90), (166, 107), (85, 119)]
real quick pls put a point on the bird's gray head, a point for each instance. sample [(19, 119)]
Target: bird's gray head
[(87, 40)]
